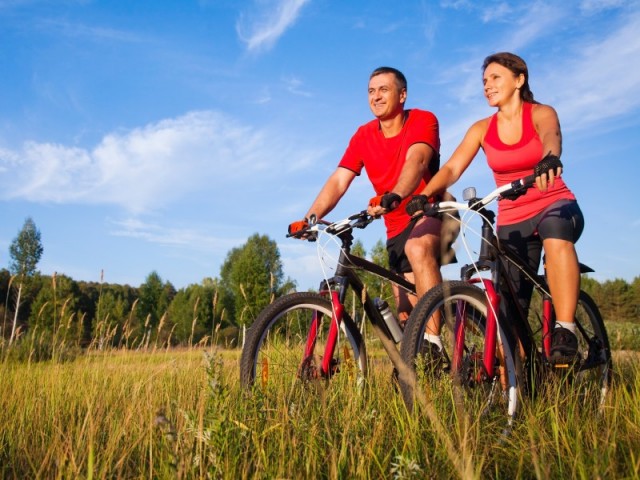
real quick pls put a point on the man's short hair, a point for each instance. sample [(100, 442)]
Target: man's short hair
[(401, 80)]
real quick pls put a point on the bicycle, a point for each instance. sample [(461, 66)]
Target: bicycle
[(491, 360), (298, 336)]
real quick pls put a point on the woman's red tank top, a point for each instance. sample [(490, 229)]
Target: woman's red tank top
[(513, 162)]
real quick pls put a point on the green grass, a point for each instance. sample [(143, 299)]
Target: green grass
[(182, 414), (624, 335)]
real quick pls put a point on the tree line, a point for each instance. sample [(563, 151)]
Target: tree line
[(102, 314), (105, 315)]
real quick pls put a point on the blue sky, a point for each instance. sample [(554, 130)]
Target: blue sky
[(157, 135)]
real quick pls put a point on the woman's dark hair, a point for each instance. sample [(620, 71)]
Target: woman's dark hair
[(400, 78), (517, 66)]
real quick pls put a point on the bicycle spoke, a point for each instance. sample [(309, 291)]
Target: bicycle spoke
[(474, 391), (287, 342)]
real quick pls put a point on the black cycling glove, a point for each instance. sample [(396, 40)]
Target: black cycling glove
[(388, 201), (549, 162), (418, 203)]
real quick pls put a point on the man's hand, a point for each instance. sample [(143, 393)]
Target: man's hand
[(381, 204), (296, 227), (547, 170)]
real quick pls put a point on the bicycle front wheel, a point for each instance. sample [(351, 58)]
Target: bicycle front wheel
[(464, 371), (286, 344)]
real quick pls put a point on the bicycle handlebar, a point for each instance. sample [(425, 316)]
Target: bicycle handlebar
[(514, 188), (357, 220)]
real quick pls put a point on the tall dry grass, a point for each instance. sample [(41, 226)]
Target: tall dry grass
[(149, 411), (182, 414)]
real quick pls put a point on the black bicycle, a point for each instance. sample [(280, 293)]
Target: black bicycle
[(306, 335), (492, 359)]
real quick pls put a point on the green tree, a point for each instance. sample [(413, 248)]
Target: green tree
[(619, 300), (26, 249), (192, 314), (54, 308), (111, 313), (376, 286), (251, 277), (379, 256), (635, 289), (154, 300), (5, 288), (25, 252)]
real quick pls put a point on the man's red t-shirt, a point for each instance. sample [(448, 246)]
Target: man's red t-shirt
[(383, 158)]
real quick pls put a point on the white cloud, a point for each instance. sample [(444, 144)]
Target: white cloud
[(590, 80), (457, 4), (91, 32), (496, 12), (172, 236), (533, 21), (601, 81), (154, 166), (262, 28), (151, 166), (597, 6), (294, 85)]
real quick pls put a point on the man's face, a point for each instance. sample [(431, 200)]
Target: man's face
[(386, 100)]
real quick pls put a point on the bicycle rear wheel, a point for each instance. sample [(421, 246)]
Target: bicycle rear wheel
[(589, 378), (592, 378), (274, 355), (472, 388)]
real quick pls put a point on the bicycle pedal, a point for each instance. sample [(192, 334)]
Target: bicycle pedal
[(561, 365)]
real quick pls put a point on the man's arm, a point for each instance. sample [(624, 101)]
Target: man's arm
[(331, 193), (419, 155)]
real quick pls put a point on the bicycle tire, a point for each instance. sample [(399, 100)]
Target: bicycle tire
[(275, 343), (483, 396), (593, 376)]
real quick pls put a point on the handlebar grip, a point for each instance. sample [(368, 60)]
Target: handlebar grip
[(529, 180), (360, 214)]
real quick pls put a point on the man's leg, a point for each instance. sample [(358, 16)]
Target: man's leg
[(404, 301), (423, 250)]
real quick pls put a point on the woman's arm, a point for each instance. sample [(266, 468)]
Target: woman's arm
[(462, 157), (545, 120), (547, 125)]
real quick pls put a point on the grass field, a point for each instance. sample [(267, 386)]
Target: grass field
[(182, 414)]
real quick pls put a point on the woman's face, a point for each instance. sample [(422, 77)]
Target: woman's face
[(500, 84)]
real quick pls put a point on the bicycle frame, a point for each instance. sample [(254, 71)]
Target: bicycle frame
[(493, 257), (337, 287)]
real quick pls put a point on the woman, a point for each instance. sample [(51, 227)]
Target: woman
[(522, 135)]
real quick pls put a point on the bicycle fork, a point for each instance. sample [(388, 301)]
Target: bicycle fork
[(332, 337), (490, 337), (547, 324)]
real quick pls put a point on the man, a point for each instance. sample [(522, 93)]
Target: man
[(400, 152)]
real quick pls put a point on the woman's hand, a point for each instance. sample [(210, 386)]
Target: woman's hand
[(547, 170)]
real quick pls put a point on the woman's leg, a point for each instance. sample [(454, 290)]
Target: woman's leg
[(563, 276), (560, 227)]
